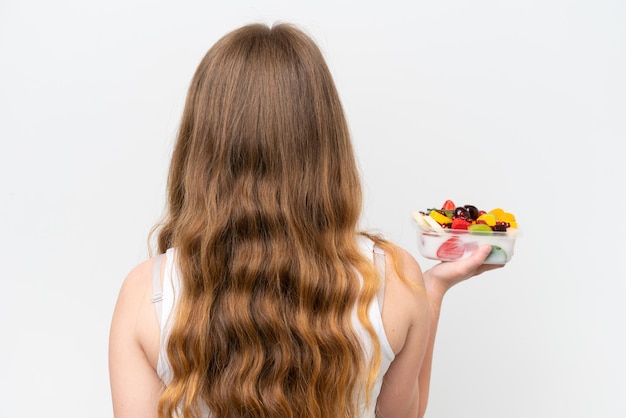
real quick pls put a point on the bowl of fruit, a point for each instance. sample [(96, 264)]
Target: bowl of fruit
[(454, 232)]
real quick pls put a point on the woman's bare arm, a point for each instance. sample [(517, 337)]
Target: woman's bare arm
[(405, 317), (406, 384)]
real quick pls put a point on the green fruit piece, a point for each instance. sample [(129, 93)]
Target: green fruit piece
[(480, 229), (496, 256)]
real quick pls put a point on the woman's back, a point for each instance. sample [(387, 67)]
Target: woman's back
[(172, 283), (403, 309)]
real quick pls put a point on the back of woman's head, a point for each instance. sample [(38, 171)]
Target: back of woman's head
[(263, 127), (263, 203)]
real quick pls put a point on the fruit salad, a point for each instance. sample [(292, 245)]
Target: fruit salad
[(454, 232)]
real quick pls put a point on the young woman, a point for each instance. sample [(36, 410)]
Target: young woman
[(265, 300)]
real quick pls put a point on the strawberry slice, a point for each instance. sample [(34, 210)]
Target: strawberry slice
[(460, 223), (452, 249), (448, 205)]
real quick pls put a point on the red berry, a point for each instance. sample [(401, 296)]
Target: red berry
[(448, 205), (452, 249), (460, 223)]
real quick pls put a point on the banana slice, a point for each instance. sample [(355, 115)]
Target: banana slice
[(433, 224), (426, 222), (419, 219)]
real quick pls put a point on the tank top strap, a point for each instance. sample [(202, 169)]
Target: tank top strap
[(379, 262), (157, 291), (378, 257)]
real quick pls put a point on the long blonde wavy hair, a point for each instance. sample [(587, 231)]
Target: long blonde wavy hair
[(264, 198)]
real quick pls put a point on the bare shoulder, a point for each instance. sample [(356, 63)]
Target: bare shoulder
[(137, 280), (409, 267), (134, 318)]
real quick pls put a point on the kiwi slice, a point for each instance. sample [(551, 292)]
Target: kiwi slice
[(496, 256)]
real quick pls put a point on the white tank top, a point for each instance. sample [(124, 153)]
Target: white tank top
[(165, 298)]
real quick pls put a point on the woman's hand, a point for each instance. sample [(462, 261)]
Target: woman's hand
[(441, 277)]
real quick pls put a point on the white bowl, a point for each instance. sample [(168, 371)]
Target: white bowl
[(456, 244)]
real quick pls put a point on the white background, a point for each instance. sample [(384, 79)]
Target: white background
[(519, 105)]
